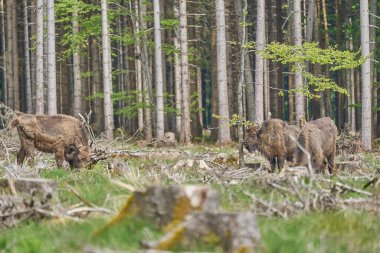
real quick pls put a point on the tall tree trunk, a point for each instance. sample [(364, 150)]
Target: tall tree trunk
[(33, 17), (351, 86), (280, 68), (147, 84), (77, 107), (299, 98), (97, 86), (366, 76), (259, 72), (158, 71), (40, 58), (272, 67), (107, 74), (223, 130), (51, 64), (310, 20), (372, 38), (4, 89), (15, 61), (326, 94), (185, 134), (9, 55), (250, 92), (28, 82), (177, 73), (138, 67), (242, 34)]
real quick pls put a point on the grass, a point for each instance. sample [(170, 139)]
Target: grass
[(309, 232)]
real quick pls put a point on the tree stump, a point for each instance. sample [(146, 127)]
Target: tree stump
[(234, 232), (168, 205)]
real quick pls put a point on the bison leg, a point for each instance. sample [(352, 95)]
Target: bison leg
[(273, 164), (21, 156), (59, 157), (281, 162)]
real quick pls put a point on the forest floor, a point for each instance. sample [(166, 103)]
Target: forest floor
[(295, 212)]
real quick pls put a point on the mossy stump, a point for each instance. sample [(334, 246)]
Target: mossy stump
[(234, 232)]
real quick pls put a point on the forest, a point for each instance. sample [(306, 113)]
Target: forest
[(189, 126), (174, 65)]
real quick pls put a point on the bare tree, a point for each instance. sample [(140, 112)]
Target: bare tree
[(299, 98), (76, 66), (158, 72), (28, 82), (138, 66), (107, 74), (5, 55), (259, 71), (40, 57), (366, 75), (185, 134), (177, 73), (221, 65), (51, 64), (147, 77)]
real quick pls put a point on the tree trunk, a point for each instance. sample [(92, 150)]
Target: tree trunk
[(223, 130), (299, 98), (97, 86), (185, 135), (158, 71), (272, 67), (15, 61), (28, 82), (77, 107), (177, 74), (40, 58), (147, 84), (4, 89), (107, 75), (242, 34), (366, 76), (372, 39), (51, 64), (138, 67), (259, 71), (351, 87)]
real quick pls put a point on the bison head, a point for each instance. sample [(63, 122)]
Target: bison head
[(77, 157), (252, 136)]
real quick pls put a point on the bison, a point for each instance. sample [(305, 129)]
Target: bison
[(63, 135), (318, 137), (273, 140)]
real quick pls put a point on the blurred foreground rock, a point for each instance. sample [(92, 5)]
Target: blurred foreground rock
[(190, 216), (23, 198), (234, 232)]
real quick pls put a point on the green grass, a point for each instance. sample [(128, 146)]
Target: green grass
[(309, 232), (73, 236), (321, 232)]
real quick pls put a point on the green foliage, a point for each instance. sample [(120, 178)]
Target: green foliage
[(169, 24), (299, 56), (235, 120)]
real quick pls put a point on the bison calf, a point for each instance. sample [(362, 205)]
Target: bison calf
[(53, 134), (273, 140), (318, 137)]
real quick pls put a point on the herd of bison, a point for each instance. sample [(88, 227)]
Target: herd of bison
[(67, 138)]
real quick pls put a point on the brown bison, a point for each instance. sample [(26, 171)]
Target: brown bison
[(273, 140), (318, 137), (63, 135)]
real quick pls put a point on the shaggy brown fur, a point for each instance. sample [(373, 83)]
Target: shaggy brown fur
[(52, 134), (318, 137), (273, 140)]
